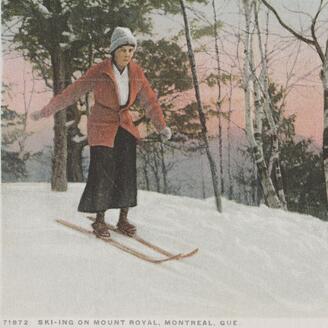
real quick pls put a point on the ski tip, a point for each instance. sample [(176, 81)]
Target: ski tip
[(170, 258), (193, 252)]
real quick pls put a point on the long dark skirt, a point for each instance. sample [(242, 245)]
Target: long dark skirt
[(112, 178)]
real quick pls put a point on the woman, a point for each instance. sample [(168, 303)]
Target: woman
[(116, 82)]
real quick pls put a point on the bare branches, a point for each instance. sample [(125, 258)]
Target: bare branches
[(301, 12), (42, 67), (11, 27), (316, 43), (288, 28), (31, 93)]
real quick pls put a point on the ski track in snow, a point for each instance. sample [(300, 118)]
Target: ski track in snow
[(252, 262)]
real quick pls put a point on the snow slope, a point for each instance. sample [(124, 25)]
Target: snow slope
[(252, 262)]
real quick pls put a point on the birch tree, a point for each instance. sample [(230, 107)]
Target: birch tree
[(263, 83), (202, 118), (322, 52), (255, 134)]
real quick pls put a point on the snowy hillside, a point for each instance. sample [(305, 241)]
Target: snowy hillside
[(252, 262)]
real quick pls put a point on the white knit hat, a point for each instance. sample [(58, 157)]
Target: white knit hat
[(122, 36)]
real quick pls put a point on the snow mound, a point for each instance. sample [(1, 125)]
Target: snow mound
[(252, 262)]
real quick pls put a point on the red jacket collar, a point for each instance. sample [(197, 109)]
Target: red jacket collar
[(108, 68), (132, 67)]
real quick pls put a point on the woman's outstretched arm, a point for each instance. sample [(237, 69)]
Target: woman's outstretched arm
[(70, 94)]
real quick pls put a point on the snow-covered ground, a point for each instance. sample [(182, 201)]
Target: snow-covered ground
[(252, 262)]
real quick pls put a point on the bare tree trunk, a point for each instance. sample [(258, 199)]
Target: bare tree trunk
[(268, 109), (256, 188), (221, 154), (204, 138), (155, 169), (147, 155), (164, 169), (258, 129), (203, 178), (203, 187), (230, 194), (143, 155), (59, 167), (270, 195), (219, 100), (324, 78), (146, 177)]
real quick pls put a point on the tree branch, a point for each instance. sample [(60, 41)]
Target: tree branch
[(288, 28), (316, 43), (43, 71)]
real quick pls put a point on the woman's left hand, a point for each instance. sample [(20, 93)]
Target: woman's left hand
[(166, 133)]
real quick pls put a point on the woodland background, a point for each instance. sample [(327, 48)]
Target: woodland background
[(225, 73)]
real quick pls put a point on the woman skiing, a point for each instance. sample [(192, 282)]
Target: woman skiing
[(117, 82)]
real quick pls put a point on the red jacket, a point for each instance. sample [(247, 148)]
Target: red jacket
[(106, 115)]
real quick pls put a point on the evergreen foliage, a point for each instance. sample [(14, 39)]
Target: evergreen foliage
[(301, 162), (13, 157), (304, 177), (65, 37)]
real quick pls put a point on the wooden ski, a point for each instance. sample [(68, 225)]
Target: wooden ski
[(119, 245), (147, 243)]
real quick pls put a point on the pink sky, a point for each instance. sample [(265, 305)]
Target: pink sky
[(305, 99)]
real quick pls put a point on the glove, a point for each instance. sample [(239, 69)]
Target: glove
[(166, 133), (35, 116)]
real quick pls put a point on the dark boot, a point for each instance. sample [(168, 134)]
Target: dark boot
[(124, 225), (100, 228)]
